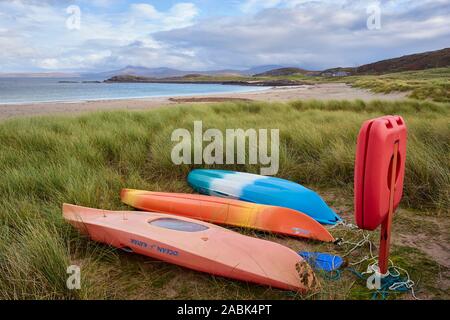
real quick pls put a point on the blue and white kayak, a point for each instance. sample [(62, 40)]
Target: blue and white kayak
[(263, 190)]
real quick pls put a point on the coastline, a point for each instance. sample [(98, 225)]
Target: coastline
[(168, 96), (326, 91)]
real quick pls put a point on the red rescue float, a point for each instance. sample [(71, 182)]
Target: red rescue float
[(379, 175)]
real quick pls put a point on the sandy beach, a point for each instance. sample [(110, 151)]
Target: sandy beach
[(328, 91)]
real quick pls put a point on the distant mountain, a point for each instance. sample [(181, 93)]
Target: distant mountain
[(223, 72), (282, 72), (419, 61), (262, 69), (161, 72), (164, 72)]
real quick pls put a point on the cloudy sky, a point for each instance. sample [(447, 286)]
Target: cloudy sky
[(49, 35)]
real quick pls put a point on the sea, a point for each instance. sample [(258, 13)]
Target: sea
[(36, 90)]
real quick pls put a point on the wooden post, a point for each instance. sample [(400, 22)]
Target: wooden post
[(385, 237)]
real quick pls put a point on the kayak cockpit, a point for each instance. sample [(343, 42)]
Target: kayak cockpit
[(178, 225)]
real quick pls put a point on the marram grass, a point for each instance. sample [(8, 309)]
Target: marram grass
[(87, 159), (430, 84)]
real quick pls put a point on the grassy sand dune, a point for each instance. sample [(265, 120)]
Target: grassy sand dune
[(430, 84), (87, 159), (433, 84)]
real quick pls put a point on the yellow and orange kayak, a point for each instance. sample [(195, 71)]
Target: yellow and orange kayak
[(229, 212), (196, 245)]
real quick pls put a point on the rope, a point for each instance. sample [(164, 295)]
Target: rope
[(391, 282), (344, 224), (362, 242), (333, 275)]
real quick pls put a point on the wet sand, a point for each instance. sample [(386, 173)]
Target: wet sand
[(328, 91)]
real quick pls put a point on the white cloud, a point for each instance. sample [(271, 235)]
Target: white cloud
[(37, 30), (145, 10), (85, 61), (181, 14), (311, 34), (315, 35)]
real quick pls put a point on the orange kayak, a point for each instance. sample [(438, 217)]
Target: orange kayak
[(229, 212), (196, 245)]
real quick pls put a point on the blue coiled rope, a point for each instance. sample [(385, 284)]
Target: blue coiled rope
[(393, 282)]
